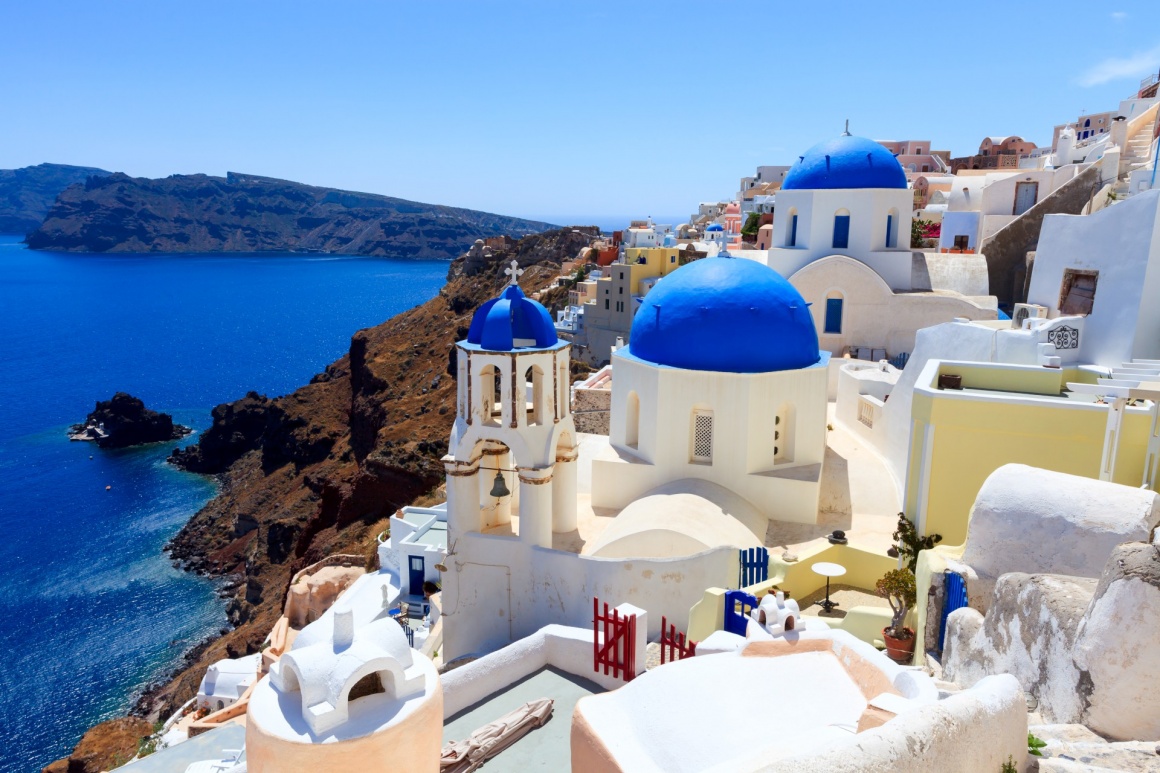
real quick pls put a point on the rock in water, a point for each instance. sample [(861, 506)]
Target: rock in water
[(125, 421)]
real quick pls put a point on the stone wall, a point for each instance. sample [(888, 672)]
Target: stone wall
[(1086, 651), (591, 409), (1006, 251)]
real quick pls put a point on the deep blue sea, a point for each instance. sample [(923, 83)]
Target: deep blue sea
[(90, 608)]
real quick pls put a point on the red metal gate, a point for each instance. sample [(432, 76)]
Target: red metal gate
[(613, 642), (674, 645)]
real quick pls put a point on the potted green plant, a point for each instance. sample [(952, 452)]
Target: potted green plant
[(897, 587)]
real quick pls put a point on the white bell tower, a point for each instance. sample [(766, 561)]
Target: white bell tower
[(513, 446)]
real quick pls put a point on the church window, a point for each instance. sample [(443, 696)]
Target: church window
[(833, 324), (534, 395), (632, 421), (606, 305), (702, 450), (842, 230), (783, 434), (791, 236), (490, 391)]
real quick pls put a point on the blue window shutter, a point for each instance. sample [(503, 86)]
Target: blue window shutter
[(889, 230), (793, 232), (833, 315), (841, 232)]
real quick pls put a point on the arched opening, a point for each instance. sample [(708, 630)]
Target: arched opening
[(835, 311), (788, 623), (490, 390), (563, 400), (371, 684), (701, 436), (783, 431), (534, 397), (632, 420), (892, 229), (791, 226), (842, 229), (220, 705)]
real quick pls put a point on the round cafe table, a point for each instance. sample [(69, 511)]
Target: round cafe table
[(828, 570)]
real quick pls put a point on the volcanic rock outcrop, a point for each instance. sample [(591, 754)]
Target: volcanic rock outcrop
[(125, 421)]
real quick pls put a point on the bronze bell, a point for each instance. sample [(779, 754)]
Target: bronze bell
[(499, 488)]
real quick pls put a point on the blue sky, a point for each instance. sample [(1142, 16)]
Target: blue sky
[(543, 108)]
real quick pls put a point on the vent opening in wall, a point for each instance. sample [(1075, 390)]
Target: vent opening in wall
[(1077, 295), (702, 446)]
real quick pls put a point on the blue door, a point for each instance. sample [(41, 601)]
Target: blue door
[(956, 598), (738, 605), (841, 232), (416, 576)]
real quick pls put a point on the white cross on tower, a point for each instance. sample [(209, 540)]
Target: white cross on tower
[(515, 272)]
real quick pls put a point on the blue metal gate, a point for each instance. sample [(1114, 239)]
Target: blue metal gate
[(754, 567), (955, 588), (738, 605)]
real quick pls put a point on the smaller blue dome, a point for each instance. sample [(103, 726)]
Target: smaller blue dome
[(845, 162), (511, 321), (726, 315), (714, 227)]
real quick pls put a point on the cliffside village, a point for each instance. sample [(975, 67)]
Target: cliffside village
[(864, 479)]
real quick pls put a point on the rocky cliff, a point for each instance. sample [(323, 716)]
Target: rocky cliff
[(246, 213), (27, 194), (319, 471)]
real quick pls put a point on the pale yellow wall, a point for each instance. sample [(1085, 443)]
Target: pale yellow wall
[(659, 261), (863, 569), (973, 438)]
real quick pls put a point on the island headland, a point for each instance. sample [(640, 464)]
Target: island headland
[(26, 194), (248, 213)]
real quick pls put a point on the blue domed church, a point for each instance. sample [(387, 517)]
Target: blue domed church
[(841, 235), (718, 407)]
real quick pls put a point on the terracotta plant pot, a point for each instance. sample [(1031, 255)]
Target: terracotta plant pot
[(899, 650)]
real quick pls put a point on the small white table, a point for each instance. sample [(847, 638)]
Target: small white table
[(828, 570)]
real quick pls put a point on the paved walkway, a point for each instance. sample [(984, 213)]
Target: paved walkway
[(207, 746), (547, 748)]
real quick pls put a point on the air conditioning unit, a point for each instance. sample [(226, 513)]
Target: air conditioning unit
[(1025, 311)]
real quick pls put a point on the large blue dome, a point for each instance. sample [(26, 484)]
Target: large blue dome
[(726, 315), (845, 162), (511, 321)]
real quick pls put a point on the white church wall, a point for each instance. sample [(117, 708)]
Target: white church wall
[(1121, 243), (499, 589), (873, 315), (745, 419)]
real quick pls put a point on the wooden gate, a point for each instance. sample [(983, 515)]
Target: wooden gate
[(674, 645), (754, 567), (738, 605), (955, 588), (613, 642)]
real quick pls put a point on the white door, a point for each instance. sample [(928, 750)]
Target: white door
[(1025, 196)]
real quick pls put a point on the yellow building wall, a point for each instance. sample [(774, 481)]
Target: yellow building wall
[(973, 438)]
